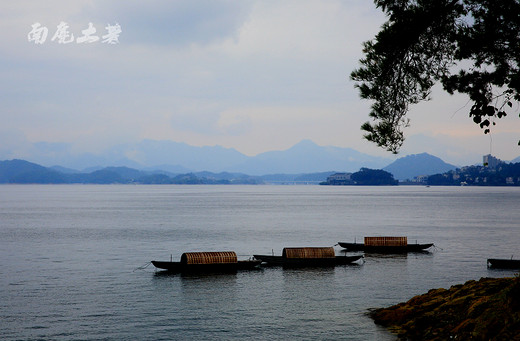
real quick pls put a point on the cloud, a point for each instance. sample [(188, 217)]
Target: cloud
[(234, 124), (197, 117), (253, 75), (173, 23)]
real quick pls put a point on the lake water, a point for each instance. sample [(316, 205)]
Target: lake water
[(70, 253)]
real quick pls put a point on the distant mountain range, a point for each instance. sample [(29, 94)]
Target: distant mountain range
[(21, 171), (180, 158), (308, 157), (176, 157), (304, 162)]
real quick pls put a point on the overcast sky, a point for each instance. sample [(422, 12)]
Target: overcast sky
[(251, 75)]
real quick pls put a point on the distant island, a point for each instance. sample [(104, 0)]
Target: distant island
[(365, 177)]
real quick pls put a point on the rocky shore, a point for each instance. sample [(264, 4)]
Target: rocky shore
[(488, 309)]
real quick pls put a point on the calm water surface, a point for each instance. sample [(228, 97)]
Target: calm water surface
[(70, 253)]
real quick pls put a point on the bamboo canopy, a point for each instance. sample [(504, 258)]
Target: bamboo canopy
[(219, 257), (308, 252), (386, 241)]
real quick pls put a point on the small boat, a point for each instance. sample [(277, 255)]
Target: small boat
[(221, 261), (308, 256), (385, 245), (503, 263)]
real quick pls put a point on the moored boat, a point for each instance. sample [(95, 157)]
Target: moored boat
[(221, 261), (308, 256), (500, 263), (385, 245)]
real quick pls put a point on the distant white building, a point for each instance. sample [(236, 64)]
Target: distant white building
[(339, 179), (421, 178), (490, 161)]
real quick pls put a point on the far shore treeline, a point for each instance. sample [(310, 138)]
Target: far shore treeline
[(24, 172)]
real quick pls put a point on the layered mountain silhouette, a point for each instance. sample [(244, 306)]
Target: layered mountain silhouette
[(308, 157), (278, 167), (177, 157)]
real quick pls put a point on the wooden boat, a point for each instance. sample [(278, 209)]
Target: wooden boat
[(385, 245), (504, 263), (221, 261), (308, 256)]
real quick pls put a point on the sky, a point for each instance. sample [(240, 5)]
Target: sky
[(253, 75)]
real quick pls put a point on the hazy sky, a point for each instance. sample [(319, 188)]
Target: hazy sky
[(251, 75)]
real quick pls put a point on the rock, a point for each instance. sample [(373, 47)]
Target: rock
[(487, 309)]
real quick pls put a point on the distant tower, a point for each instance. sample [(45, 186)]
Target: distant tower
[(490, 161)]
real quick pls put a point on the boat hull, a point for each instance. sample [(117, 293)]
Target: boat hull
[(503, 263), (178, 267), (385, 249), (313, 262)]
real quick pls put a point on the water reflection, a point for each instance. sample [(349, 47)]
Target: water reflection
[(303, 273), (196, 275), (403, 256)]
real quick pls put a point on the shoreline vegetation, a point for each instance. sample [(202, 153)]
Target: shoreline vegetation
[(488, 309)]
